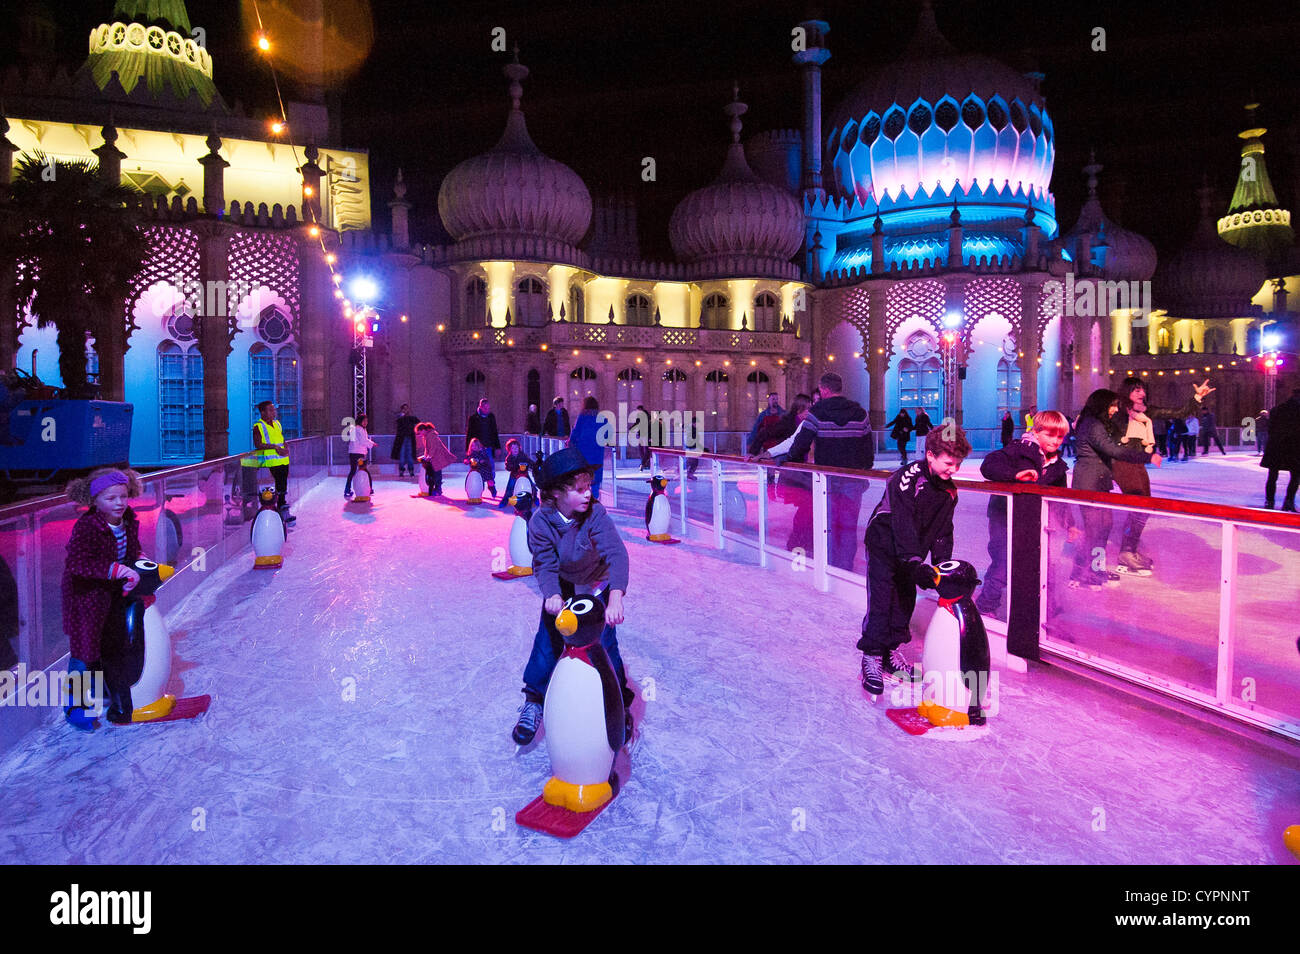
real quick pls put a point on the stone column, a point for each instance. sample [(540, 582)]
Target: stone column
[(321, 326), (877, 353), (8, 299), (110, 337), (400, 212), (955, 301), (214, 177), (214, 340), (1028, 344)]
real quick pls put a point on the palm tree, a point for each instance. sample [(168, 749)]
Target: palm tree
[(78, 246)]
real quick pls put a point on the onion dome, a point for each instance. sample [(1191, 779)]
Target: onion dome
[(1119, 254), (1209, 278), (150, 41), (936, 118), (513, 189), (1255, 221), (738, 214)]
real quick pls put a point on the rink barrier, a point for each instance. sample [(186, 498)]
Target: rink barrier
[(1025, 634), (187, 507)]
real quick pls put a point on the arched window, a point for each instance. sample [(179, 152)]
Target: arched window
[(756, 387), (1008, 381), (530, 302), (714, 312), (717, 409), (273, 326), (475, 313), (180, 400), (576, 304), (630, 388), (638, 310), (475, 390), (287, 404), (535, 388), (919, 376), (767, 315), (674, 393), (582, 384)]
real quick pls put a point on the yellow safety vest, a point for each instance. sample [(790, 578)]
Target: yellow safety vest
[(271, 434)]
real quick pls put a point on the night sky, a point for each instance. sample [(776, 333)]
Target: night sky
[(612, 82)]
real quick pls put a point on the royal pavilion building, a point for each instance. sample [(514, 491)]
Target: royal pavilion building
[(907, 238)]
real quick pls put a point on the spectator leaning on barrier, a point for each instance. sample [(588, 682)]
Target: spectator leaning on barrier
[(483, 425), (404, 442), (1283, 451), (557, 420), (839, 434), (1099, 448)]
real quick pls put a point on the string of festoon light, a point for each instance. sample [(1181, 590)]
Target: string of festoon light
[(280, 127)]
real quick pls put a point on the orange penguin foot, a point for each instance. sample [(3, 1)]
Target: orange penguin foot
[(520, 570), (1291, 838), (576, 798), (154, 710), (941, 716)]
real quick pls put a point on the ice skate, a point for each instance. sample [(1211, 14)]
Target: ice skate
[(873, 678), (1130, 564), (530, 718), (896, 666)]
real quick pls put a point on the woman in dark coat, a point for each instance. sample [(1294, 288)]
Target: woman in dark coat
[(1283, 450), (902, 432), (1099, 447), (1134, 425), (1008, 428)]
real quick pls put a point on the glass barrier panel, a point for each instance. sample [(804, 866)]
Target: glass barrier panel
[(849, 502), (980, 538), (1164, 623), (53, 531), (789, 512), (10, 535), (741, 486), (699, 490), (1266, 665)]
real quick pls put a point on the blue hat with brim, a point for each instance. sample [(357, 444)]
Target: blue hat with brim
[(560, 466)]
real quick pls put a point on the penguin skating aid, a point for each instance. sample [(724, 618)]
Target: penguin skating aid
[(955, 662), (585, 727), (521, 558), (268, 534), (361, 488), (137, 656), (473, 487), (658, 512)]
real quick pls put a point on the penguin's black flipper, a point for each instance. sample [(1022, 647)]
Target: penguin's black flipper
[(975, 661), (615, 723), (649, 506)]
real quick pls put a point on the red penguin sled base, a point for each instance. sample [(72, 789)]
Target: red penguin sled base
[(187, 708), (556, 819)]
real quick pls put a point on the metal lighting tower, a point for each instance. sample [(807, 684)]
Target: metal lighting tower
[(361, 341)]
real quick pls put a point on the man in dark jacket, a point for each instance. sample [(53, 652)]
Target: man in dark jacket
[(774, 411), (842, 433), (1283, 450), (923, 424), (1209, 432), (557, 420), (404, 442), (483, 425), (1008, 428)]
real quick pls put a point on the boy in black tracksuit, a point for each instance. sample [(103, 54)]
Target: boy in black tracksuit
[(913, 519), (1035, 458)]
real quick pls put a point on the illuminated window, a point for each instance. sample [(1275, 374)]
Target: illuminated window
[(180, 400), (766, 314), (714, 314), (530, 302), (894, 123), (920, 118), (576, 309), (674, 393), (630, 387), (638, 310), (1008, 387), (920, 376), (475, 311), (582, 384), (945, 115), (286, 391), (717, 407)]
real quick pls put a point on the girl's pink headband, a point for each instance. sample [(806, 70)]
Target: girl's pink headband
[(104, 481)]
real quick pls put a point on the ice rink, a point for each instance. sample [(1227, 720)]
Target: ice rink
[(364, 694)]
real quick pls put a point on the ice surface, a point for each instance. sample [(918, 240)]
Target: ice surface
[(755, 742)]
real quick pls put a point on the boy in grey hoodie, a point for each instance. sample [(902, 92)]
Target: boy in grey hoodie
[(576, 549)]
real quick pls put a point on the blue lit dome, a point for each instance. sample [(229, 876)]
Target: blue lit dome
[(936, 126)]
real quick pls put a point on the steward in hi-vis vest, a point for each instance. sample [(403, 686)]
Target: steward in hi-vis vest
[(269, 451)]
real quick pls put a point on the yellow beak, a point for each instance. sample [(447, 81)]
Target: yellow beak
[(166, 571), (566, 622), (513, 500)]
